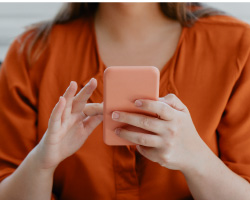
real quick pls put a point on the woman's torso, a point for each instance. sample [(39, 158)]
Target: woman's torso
[(197, 73)]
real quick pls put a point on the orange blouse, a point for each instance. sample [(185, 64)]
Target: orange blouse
[(209, 72)]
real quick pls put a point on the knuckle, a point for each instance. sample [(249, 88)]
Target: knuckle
[(169, 144), (174, 104), (164, 110), (172, 130), (145, 122), (166, 159), (165, 98), (186, 108), (170, 96), (77, 100), (82, 116)]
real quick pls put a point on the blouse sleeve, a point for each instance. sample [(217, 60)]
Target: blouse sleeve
[(18, 113), (234, 128)]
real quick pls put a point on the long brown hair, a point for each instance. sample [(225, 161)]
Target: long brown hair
[(186, 13)]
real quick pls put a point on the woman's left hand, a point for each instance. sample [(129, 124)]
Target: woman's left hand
[(176, 143)]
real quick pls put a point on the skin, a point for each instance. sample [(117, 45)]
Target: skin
[(68, 125), (124, 30), (176, 144)]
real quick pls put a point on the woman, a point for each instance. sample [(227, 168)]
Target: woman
[(201, 144)]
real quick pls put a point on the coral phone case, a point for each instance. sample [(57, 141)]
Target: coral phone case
[(122, 86)]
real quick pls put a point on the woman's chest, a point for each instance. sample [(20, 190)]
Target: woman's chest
[(139, 53)]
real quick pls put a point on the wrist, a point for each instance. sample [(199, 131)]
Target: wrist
[(200, 162), (36, 160)]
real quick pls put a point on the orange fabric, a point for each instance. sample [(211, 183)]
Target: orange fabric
[(210, 73)]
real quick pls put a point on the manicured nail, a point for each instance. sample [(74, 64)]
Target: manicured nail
[(117, 131), (138, 103), (115, 115)]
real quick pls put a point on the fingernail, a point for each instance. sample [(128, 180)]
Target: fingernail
[(117, 131), (115, 115), (90, 80), (138, 103)]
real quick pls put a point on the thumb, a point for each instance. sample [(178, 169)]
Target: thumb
[(91, 122), (92, 109), (173, 101)]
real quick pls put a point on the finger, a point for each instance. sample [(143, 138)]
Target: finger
[(148, 152), (174, 102), (69, 96), (139, 138), (142, 121), (56, 115), (163, 110), (91, 122), (82, 97), (91, 109)]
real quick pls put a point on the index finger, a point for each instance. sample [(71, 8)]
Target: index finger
[(163, 110), (82, 97)]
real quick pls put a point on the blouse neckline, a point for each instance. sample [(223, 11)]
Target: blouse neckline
[(167, 65)]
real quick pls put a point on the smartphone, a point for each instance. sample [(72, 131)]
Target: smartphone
[(122, 86)]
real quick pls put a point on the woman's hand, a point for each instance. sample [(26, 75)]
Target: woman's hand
[(176, 143), (69, 126)]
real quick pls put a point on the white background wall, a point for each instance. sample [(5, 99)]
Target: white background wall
[(15, 16)]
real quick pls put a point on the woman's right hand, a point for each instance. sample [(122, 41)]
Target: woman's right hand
[(68, 126)]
